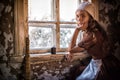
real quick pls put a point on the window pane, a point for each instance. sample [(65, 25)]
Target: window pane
[(41, 37), (67, 10), (40, 10), (66, 32)]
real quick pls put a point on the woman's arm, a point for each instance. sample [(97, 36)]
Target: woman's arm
[(76, 49), (73, 48)]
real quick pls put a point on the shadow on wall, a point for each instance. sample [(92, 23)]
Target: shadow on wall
[(109, 15)]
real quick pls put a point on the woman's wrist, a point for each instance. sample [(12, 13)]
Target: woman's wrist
[(77, 28), (71, 54)]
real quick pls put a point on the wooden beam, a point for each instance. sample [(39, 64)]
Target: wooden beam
[(27, 61)]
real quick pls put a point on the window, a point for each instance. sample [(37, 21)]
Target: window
[(51, 24), (57, 25)]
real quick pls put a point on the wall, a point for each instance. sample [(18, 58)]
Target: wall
[(9, 69), (109, 17)]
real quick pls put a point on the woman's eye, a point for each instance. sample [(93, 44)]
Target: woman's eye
[(82, 16), (77, 16)]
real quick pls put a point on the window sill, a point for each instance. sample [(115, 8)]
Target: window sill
[(47, 54), (48, 57)]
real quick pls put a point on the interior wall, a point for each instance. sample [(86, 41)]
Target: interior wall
[(9, 69), (109, 17)]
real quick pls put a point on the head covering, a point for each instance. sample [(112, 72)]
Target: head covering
[(87, 6)]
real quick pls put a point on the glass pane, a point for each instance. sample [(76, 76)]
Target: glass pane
[(41, 37), (40, 10), (67, 10), (66, 32)]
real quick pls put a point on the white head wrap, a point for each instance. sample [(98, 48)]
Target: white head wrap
[(87, 6)]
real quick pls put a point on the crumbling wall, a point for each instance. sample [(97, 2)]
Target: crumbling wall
[(9, 70), (109, 17)]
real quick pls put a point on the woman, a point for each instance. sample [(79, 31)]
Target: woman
[(103, 65)]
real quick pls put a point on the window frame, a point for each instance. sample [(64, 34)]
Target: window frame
[(21, 25), (57, 22)]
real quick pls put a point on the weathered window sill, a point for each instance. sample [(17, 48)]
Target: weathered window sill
[(48, 57)]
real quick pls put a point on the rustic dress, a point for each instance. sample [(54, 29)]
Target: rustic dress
[(103, 65)]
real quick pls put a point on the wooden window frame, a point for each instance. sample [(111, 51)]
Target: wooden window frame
[(21, 26), (57, 22)]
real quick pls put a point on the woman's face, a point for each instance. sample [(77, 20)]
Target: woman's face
[(82, 18)]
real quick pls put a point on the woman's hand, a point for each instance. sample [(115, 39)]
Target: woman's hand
[(78, 28), (69, 56)]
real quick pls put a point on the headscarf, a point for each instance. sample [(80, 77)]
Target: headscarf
[(87, 6)]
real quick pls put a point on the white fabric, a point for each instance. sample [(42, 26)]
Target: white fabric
[(91, 70), (83, 5), (80, 36), (87, 6)]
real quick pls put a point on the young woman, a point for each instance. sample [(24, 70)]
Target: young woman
[(103, 65)]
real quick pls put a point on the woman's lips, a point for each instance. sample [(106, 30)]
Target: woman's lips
[(80, 25)]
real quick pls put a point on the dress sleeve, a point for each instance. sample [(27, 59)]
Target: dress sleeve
[(88, 40)]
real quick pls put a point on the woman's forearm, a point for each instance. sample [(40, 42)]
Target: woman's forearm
[(76, 49), (73, 40)]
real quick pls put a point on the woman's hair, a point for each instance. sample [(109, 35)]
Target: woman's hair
[(93, 26)]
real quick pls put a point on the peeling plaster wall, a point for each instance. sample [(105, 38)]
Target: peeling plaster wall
[(6, 26), (109, 16), (8, 70), (55, 68)]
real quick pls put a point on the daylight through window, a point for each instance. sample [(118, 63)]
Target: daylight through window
[(51, 23)]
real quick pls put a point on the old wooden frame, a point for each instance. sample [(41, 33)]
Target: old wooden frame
[(21, 25)]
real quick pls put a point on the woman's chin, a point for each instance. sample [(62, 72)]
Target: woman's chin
[(81, 27)]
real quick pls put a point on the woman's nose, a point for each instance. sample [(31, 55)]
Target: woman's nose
[(79, 19)]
